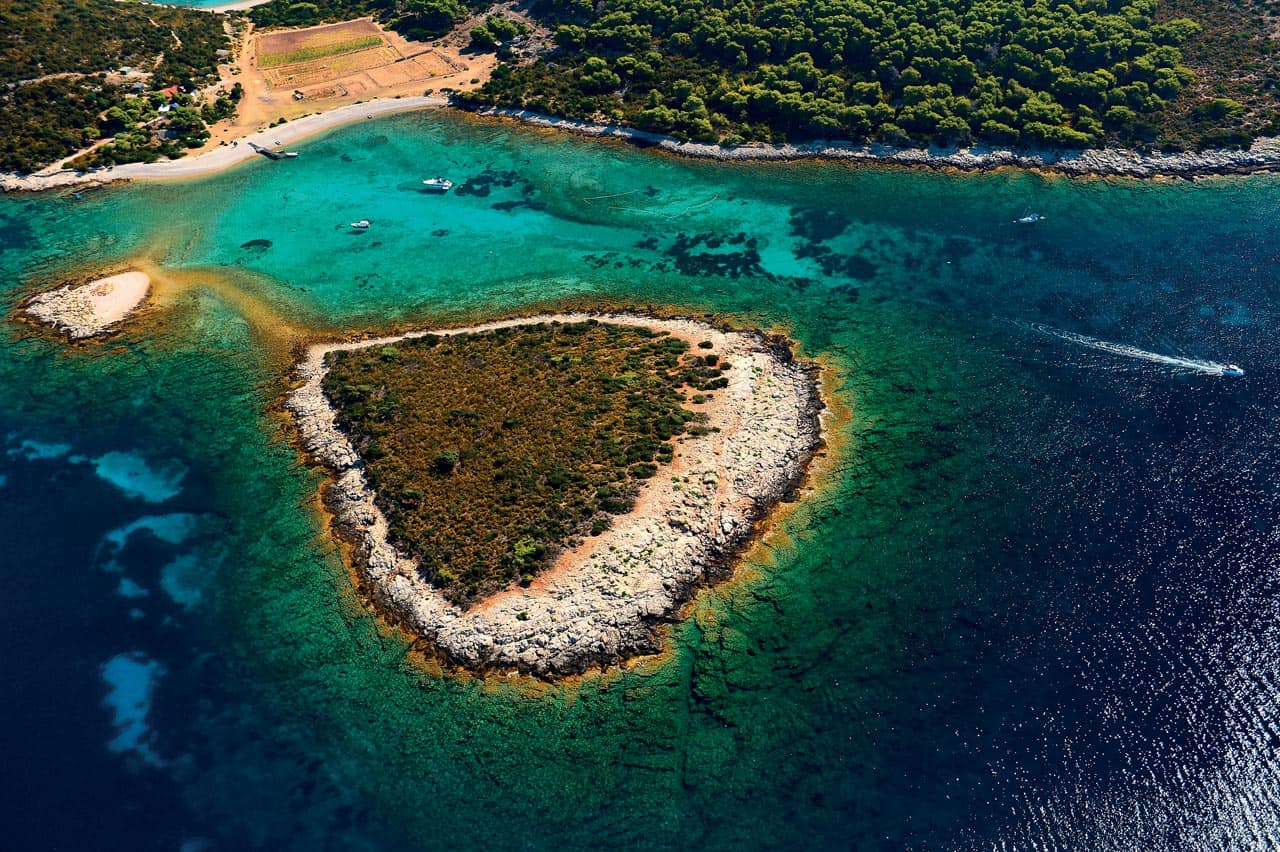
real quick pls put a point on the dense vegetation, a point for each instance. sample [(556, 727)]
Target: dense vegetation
[(1057, 73), (45, 121), (495, 31), (412, 18), (1066, 73), (490, 451), (53, 58), (45, 37)]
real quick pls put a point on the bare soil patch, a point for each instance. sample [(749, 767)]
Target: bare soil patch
[(400, 68), (325, 72), (328, 68)]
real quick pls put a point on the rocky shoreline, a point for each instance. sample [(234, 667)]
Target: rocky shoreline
[(607, 599), (1263, 156)]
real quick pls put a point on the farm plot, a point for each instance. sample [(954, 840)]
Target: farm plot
[(321, 51), (292, 46), (355, 59), (300, 74)]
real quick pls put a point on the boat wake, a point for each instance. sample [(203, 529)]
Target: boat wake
[(1192, 365)]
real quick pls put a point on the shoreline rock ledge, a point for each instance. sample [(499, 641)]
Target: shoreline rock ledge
[(605, 600)]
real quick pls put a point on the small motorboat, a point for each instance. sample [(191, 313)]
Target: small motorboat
[(1233, 371), (1030, 219), (362, 225), (438, 184), (291, 153)]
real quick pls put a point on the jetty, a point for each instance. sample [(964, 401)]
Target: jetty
[(266, 152)]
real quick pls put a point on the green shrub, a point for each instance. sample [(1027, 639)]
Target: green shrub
[(537, 449)]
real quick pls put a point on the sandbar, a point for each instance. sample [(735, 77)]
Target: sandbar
[(87, 310)]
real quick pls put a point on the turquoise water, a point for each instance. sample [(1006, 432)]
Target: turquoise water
[(1031, 603), (194, 4)]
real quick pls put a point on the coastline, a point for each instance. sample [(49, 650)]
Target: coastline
[(606, 600), (221, 158), (238, 6), (1262, 157)]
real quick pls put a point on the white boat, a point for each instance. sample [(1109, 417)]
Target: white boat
[(1030, 219), (291, 153), (1233, 371), (438, 184), (362, 225)]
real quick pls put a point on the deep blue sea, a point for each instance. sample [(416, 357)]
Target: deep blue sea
[(1030, 603)]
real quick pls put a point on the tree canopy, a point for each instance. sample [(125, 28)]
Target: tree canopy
[(412, 18), (1058, 73), (59, 99)]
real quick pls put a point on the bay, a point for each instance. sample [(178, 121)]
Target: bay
[(1030, 599)]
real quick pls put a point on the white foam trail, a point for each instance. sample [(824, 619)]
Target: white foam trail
[(1196, 365)]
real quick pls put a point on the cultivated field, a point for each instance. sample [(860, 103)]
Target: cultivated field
[(320, 51), (280, 48), (352, 59), (394, 68)]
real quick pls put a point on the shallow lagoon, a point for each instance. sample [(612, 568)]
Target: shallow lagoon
[(1032, 600)]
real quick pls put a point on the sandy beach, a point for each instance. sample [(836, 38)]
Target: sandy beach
[(87, 310), (226, 156), (605, 600), (239, 6)]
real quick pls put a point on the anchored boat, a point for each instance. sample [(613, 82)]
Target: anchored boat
[(438, 184), (362, 225)]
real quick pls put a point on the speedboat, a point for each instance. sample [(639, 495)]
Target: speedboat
[(362, 225), (1233, 371), (438, 184), (291, 153), (1030, 219)]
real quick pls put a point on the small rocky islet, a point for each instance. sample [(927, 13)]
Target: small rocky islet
[(91, 309), (542, 494)]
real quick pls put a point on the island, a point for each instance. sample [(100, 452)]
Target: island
[(92, 309), (543, 494)]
